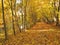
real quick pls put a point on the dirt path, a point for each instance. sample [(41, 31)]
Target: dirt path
[(42, 26)]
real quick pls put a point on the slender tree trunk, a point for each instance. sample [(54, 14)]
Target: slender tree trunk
[(57, 20), (12, 17), (16, 17), (25, 14), (4, 19), (57, 17), (55, 14), (22, 15)]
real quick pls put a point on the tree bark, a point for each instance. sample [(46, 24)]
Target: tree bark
[(4, 19), (12, 17)]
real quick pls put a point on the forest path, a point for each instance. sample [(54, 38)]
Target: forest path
[(42, 26)]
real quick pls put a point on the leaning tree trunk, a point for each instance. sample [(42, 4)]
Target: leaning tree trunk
[(4, 19)]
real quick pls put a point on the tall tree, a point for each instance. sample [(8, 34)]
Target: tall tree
[(25, 11), (12, 16), (4, 19), (16, 18)]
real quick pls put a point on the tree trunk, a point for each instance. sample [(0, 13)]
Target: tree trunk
[(4, 19), (57, 20), (12, 17), (55, 14), (57, 17), (16, 17), (24, 7)]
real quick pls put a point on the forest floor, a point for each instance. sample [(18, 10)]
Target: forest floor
[(40, 34), (34, 38), (45, 26)]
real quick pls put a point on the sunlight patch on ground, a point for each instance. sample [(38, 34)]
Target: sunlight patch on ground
[(44, 30)]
